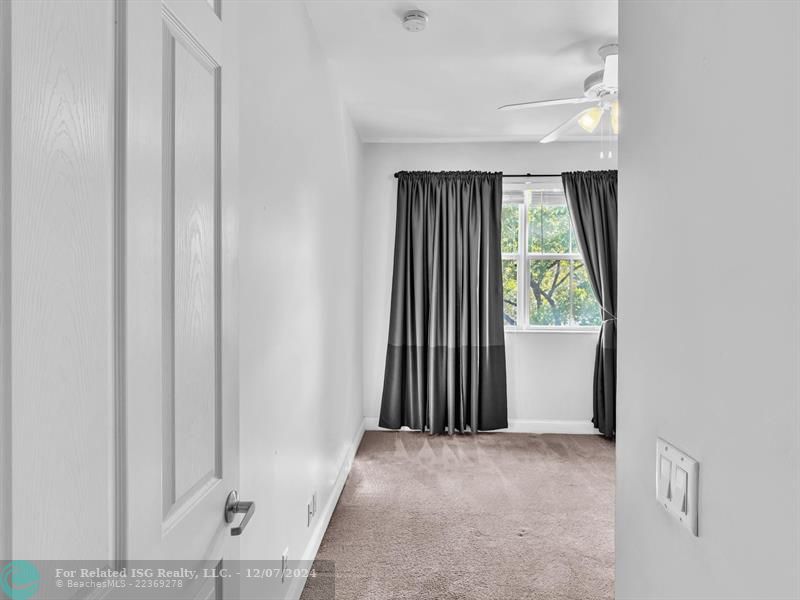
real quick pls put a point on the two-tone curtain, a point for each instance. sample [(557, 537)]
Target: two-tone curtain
[(445, 361), (592, 200)]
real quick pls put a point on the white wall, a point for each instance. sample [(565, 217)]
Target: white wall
[(549, 374), (708, 296), (300, 271)]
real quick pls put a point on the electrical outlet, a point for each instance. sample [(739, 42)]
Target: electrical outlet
[(284, 563), (311, 509)]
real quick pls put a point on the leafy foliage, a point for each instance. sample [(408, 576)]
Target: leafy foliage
[(549, 229), (509, 238), (559, 292), (510, 291)]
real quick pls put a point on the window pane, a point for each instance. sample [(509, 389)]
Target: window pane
[(549, 292), (575, 247), (555, 229), (509, 239), (535, 225), (585, 307), (510, 293), (548, 224)]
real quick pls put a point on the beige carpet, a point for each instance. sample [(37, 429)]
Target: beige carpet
[(493, 516)]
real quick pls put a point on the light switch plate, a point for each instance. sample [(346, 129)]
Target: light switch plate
[(677, 482)]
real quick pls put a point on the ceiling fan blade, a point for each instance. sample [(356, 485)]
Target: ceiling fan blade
[(523, 105), (556, 133)]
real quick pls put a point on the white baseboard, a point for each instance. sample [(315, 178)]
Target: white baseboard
[(550, 426), (324, 516), (521, 426)]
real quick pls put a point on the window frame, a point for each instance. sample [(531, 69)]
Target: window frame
[(523, 259)]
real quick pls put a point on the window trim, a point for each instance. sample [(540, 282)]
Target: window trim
[(523, 258)]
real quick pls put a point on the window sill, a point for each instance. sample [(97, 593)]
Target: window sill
[(589, 330)]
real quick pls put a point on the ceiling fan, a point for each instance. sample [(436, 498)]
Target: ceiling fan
[(599, 89)]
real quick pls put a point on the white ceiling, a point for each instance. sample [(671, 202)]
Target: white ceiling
[(445, 83)]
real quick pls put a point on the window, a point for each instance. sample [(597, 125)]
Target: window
[(545, 284)]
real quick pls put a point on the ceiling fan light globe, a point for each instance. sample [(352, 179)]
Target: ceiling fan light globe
[(590, 119), (615, 117)]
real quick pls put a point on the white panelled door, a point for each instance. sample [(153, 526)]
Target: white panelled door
[(118, 324), (180, 354)]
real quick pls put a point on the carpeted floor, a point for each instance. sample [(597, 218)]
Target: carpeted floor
[(494, 516)]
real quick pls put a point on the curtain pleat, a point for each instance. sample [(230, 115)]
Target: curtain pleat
[(592, 200), (445, 360)]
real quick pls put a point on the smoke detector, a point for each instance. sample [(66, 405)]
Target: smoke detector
[(415, 20)]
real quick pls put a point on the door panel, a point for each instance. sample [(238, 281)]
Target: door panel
[(183, 433), (191, 96), (62, 370), (5, 279)]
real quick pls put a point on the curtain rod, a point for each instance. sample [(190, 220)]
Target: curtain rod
[(534, 175), (522, 175)]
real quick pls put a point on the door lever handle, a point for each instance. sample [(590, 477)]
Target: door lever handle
[(233, 505)]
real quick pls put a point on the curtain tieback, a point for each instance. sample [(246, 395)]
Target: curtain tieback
[(609, 316)]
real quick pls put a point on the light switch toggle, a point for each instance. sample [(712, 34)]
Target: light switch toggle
[(665, 477), (681, 481)]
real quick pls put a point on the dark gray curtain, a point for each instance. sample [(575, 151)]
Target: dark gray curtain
[(592, 200), (445, 362)]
